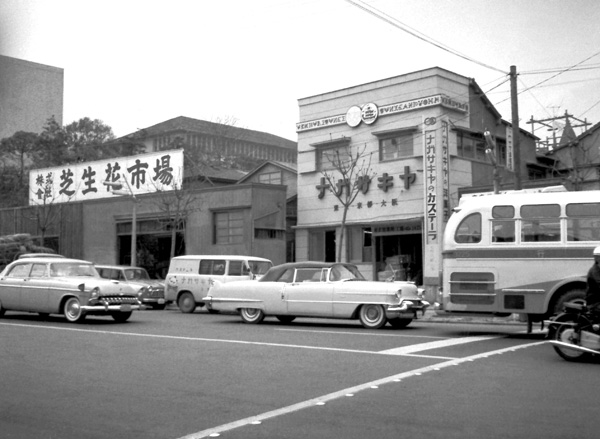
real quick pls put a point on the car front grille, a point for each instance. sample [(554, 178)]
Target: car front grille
[(156, 292), (118, 300)]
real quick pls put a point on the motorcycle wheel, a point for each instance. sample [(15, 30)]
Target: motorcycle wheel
[(567, 334)]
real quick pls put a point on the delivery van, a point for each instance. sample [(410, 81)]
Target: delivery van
[(190, 277)]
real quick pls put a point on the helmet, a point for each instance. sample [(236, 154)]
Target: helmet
[(597, 251)]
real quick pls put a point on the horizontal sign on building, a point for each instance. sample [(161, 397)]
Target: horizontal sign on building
[(353, 116), (128, 176)]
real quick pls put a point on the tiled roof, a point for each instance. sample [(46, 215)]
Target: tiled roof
[(188, 124)]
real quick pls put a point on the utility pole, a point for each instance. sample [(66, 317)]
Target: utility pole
[(515, 126)]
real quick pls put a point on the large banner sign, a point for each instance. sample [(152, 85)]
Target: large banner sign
[(140, 174)]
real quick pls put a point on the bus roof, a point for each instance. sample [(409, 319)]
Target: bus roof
[(518, 198)]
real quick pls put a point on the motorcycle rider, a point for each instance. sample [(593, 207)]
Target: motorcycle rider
[(592, 295)]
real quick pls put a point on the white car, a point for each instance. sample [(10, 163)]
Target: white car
[(71, 287), (319, 289)]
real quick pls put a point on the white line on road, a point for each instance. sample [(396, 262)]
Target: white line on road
[(216, 431), (370, 333), (219, 340), (434, 345)]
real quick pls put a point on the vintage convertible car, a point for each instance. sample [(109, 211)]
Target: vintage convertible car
[(154, 289), (319, 289), (64, 286)]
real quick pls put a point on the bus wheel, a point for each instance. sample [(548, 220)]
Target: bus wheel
[(574, 295)]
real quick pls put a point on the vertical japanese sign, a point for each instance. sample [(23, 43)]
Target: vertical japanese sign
[(445, 170), (510, 149), (141, 174), (430, 184)]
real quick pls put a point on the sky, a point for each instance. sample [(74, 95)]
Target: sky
[(136, 63)]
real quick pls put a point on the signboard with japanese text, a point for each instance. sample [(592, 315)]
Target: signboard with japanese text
[(139, 174)]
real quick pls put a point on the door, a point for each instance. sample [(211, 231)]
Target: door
[(308, 295), (12, 284), (34, 294)]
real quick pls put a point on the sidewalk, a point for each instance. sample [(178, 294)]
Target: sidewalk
[(432, 316)]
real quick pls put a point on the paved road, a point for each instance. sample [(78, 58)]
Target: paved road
[(169, 375)]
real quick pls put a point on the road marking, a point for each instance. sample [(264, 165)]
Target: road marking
[(434, 345), (219, 340), (321, 400), (370, 333)]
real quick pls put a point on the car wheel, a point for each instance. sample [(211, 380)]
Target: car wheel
[(372, 316), (72, 310), (186, 303), (399, 323), (252, 315), (121, 316), (286, 319)]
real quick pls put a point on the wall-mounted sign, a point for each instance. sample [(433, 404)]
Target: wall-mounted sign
[(370, 112), (353, 116), (141, 174)]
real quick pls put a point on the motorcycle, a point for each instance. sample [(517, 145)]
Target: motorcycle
[(575, 333)]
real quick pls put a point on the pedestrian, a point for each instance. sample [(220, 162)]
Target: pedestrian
[(592, 294)]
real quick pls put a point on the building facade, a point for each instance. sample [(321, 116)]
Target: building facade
[(30, 94), (419, 138), (206, 141)]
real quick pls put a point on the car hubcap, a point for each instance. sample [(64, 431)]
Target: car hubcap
[(73, 308)]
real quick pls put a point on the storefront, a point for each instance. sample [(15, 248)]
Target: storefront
[(402, 134)]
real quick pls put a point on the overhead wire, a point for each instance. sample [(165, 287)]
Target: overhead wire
[(396, 23)]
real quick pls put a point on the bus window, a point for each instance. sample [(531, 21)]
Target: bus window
[(469, 229), (583, 222), (540, 223), (503, 224)]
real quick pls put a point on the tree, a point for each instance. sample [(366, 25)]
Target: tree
[(16, 154), (80, 141), (356, 175)]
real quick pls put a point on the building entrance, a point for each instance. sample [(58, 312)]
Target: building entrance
[(399, 256)]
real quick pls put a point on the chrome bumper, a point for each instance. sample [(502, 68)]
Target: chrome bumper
[(103, 308), (407, 308)]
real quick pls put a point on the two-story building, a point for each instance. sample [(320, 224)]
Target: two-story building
[(418, 137)]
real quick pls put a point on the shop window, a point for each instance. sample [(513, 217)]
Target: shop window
[(229, 227)]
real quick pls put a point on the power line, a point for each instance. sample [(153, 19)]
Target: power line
[(396, 23)]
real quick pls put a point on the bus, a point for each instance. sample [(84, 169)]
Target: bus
[(518, 253)]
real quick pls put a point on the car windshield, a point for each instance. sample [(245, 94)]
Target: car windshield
[(344, 273), (136, 274), (259, 267), (74, 269)]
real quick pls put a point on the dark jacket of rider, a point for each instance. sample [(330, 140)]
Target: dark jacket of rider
[(592, 295)]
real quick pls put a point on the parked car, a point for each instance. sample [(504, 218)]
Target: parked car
[(190, 276), (319, 289), (71, 287), (153, 293)]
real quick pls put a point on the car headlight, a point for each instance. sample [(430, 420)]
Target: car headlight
[(95, 293)]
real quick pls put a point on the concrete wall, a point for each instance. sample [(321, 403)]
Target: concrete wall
[(30, 93)]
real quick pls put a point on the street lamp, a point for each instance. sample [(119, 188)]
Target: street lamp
[(116, 189)]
